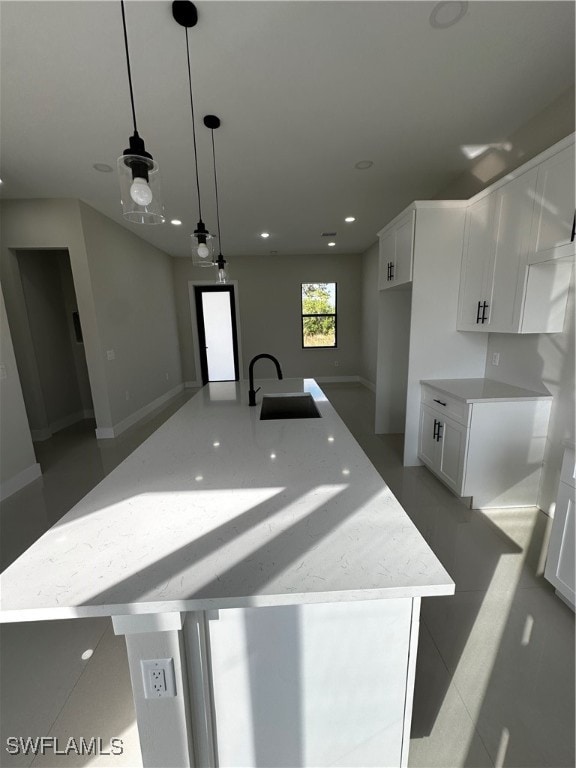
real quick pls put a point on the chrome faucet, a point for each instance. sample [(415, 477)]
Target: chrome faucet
[(252, 391)]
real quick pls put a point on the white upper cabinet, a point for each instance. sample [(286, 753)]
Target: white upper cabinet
[(477, 273), (552, 234), (515, 268), (396, 252)]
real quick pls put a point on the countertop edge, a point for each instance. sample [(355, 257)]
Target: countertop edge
[(530, 395), (206, 604)]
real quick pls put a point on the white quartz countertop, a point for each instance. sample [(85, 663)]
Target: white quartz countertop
[(484, 390), (218, 509)]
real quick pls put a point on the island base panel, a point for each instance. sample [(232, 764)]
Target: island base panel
[(310, 685)]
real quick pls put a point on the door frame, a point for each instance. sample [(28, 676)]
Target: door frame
[(233, 284)]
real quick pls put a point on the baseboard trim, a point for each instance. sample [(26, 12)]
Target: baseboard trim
[(39, 435), (336, 379), (367, 384), (19, 481), (192, 384), (105, 433)]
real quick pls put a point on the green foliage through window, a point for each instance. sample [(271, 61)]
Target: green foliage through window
[(318, 314)]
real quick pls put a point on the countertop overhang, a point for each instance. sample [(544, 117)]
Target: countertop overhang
[(484, 390), (218, 509)]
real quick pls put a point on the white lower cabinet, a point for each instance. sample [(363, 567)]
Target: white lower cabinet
[(490, 449), (443, 446), (560, 563)]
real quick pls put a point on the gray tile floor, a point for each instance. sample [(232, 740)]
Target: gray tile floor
[(495, 676)]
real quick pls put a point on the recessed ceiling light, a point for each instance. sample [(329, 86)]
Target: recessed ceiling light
[(102, 167), (350, 219), (332, 244), (447, 13), (264, 234), (176, 222), (364, 164)]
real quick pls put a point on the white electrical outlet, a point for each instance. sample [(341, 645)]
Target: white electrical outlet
[(110, 354), (495, 358), (336, 363), (3, 374), (158, 677)]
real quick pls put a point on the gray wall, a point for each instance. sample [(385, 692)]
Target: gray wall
[(79, 355), (54, 224), (124, 290), (15, 440), (133, 292), (394, 316), (40, 273), (545, 129), (542, 358), (369, 326), (269, 292)]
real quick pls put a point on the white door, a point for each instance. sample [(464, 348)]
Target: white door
[(514, 204), (553, 233), (452, 450), (215, 312), (477, 264), (386, 259), (402, 272), (428, 444)]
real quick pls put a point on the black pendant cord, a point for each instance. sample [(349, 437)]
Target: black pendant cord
[(128, 65), (193, 124), (216, 188)]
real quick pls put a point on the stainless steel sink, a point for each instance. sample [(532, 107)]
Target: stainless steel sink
[(291, 406)]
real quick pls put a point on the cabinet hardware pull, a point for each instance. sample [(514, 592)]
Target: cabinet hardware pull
[(391, 270), (573, 235), (439, 434), (478, 312), (485, 306), (439, 401), (436, 425)]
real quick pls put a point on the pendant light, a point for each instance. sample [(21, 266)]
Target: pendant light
[(185, 14), (140, 188), (212, 122)]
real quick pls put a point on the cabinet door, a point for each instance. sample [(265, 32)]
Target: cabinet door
[(513, 217), (427, 444), (477, 264), (452, 453), (560, 566), (402, 271), (396, 251), (387, 250), (552, 227)]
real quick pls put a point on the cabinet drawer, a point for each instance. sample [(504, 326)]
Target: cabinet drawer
[(568, 471), (448, 406)]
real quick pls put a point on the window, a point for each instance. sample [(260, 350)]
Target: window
[(318, 314)]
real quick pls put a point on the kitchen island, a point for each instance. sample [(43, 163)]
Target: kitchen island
[(270, 563)]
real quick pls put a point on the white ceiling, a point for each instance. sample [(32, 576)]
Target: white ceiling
[(304, 91)]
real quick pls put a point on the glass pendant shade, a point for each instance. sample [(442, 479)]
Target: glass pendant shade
[(140, 189), (202, 246), (220, 263)]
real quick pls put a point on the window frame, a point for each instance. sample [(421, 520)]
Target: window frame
[(325, 314)]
